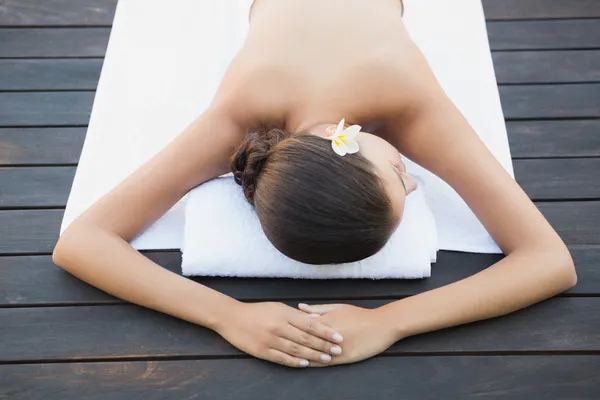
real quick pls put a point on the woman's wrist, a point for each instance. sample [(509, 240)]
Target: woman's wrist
[(393, 317), (222, 311)]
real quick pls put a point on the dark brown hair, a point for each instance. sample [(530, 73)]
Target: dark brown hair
[(314, 205)]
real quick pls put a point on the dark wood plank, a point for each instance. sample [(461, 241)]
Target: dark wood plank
[(575, 222), (503, 35), (511, 67), (574, 138), (57, 12), (32, 231), (571, 138), (50, 74), (35, 231), (535, 35), (518, 102), (21, 277), (408, 378), (551, 101), (100, 12), (559, 178), (35, 187), (38, 334), (53, 42), (40, 146), (45, 108), (547, 66), (530, 9), (50, 186)]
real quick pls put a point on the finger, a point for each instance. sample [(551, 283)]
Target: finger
[(299, 351), (318, 308), (307, 340), (279, 357), (316, 328)]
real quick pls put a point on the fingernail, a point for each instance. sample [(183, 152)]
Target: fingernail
[(337, 337), (336, 350), (325, 358), (314, 315), (304, 363), (302, 305)]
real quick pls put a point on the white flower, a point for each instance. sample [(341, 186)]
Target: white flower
[(343, 141)]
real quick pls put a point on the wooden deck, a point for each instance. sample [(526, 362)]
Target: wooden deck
[(62, 339)]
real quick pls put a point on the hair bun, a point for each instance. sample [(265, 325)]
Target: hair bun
[(250, 157)]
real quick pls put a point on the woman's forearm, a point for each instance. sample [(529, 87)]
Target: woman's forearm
[(517, 281), (109, 263)]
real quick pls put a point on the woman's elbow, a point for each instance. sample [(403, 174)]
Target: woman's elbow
[(61, 251), (67, 246), (564, 269)]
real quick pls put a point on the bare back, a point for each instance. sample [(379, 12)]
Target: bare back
[(312, 61)]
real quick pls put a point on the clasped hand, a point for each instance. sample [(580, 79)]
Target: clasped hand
[(314, 336)]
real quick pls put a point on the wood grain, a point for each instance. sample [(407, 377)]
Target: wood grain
[(557, 179), (40, 146), (36, 231), (57, 12), (50, 74), (575, 222), (537, 139), (53, 42), (35, 187), (503, 35), (569, 138), (125, 331), (531, 9), (31, 231), (518, 102), (551, 101), (422, 378), (511, 67), (45, 108), (547, 66), (537, 35), (21, 277), (50, 186), (100, 12)]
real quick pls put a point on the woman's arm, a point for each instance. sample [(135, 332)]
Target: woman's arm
[(95, 248), (537, 264), (433, 133)]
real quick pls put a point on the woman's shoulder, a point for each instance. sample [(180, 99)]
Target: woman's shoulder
[(254, 90)]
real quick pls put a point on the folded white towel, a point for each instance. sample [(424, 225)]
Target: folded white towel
[(223, 237)]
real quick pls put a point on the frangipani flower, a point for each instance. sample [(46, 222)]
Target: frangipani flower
[(343, 141)]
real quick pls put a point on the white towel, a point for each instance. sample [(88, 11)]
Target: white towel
[(223, 237), (453, 37), (155, 81)]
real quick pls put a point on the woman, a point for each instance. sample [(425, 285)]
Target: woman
[(305, 66)]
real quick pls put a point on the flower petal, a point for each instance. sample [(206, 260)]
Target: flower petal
[(329, 132), (352, 131), (340, 126), (339, 147), (352, 146)]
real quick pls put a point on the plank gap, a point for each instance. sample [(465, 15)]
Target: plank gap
[(525, 353)]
